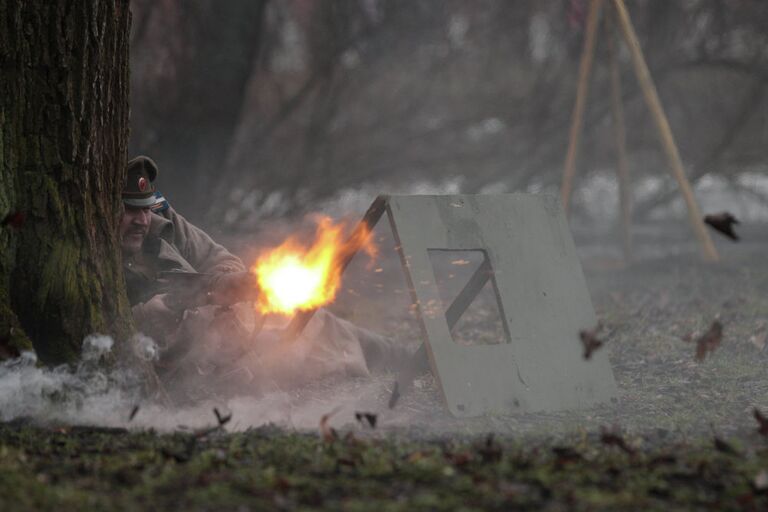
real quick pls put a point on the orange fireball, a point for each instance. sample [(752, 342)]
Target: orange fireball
[(295, 277)]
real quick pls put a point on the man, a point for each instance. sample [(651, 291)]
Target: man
[(187, 293), (156, 239)]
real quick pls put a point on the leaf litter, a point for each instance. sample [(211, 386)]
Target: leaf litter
[(663, 450)]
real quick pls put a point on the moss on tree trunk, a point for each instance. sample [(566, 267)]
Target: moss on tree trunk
[(63, 134)]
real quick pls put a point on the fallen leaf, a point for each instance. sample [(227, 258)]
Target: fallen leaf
[(724, 446), (511, 490), (609, 438), (416, 456), (662, 460), (723, 223), (346, 461), (282, 484), (565, 455), (490, 451), (459, 459), (762, 421), (709, 341), (746, 501)]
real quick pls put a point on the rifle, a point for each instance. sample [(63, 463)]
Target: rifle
[(184, 290), (189, 290)]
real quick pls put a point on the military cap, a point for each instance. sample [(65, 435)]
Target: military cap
[(139, 190)]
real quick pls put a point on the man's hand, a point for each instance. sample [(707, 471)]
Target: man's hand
[(155, 318), (231, 288)]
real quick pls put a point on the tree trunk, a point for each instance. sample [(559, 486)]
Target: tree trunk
[(63, 135)]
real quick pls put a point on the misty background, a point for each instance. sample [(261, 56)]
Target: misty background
[(257, 110)]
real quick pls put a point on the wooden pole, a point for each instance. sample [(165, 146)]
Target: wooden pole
[(619, 131), (585, 68), (665, 132)]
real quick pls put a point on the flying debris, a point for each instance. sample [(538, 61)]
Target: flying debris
[(590, 341), (328, 433), (709, 341), (723, 223), (369, 417), (134, 411), (221, 420)]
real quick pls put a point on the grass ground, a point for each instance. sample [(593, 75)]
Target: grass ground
[(682, 436), (267, 468)]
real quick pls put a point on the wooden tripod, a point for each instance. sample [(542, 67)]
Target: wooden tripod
[(620, 15)]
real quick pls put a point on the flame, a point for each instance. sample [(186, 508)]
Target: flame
[(294, 277)]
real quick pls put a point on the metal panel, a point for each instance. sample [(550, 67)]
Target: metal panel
[(543, 300)]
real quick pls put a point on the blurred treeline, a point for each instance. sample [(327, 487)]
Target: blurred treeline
[(255, 108)]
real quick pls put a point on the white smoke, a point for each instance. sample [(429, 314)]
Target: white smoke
[(90, 394), (85, 393)]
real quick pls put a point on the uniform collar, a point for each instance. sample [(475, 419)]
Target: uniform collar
[(160, 227), (160, 244)]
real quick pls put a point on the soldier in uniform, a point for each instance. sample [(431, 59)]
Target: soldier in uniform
[(190, 295)]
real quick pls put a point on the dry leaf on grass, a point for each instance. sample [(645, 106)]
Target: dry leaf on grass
[(610, 438), (724, 446), (762, 421), (709, 341), (490, 450)]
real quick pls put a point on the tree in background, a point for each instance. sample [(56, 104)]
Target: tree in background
[(190, 62), (384, 92), (63, 136)]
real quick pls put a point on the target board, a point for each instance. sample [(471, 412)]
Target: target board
[(527, 255)]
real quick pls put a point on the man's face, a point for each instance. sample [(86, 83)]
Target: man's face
[(134, 225)]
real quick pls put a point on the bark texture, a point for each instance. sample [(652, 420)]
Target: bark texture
[(63, 134)]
